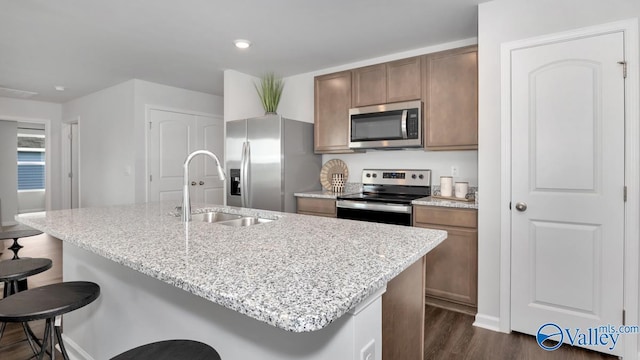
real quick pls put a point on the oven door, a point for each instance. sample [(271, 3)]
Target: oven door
[(397, 214)]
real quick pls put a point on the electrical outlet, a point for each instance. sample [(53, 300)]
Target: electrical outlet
[(454, 170), (368, 352)]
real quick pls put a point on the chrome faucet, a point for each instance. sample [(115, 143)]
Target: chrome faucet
[(186, 200)]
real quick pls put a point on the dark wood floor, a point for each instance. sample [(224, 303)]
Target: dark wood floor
[(448, 335)]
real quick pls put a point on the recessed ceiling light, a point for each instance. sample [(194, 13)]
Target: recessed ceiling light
[(59, 88), (242, 44)]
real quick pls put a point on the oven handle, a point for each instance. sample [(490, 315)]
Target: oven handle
[(360, 205)]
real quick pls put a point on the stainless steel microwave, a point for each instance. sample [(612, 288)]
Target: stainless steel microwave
[(397, 125)]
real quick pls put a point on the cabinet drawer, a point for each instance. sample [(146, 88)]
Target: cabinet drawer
[(445, 216), (315, 206)]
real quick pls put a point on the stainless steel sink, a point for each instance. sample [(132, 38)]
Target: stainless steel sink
[(245, 221), (213, 216)]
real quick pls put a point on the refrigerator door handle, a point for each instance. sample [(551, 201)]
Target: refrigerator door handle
[(247, 175), (243, 177)]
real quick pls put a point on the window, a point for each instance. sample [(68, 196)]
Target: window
[(31, 161)]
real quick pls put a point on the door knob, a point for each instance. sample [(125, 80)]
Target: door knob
[(193, 183), (201, 182), (521, 206)]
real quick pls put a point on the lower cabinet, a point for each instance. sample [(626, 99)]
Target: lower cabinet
[(402, 303), (316, 206), (451, 279)]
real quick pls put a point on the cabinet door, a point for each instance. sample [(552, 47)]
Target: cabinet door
[(332, 103), (404, 81), (451, 99), (452, 267), (315, 206), (370, 85)]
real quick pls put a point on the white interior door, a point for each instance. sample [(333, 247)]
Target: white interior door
[(209, 136), (170, 141), (74, 160), (172, 136), (567, 166)]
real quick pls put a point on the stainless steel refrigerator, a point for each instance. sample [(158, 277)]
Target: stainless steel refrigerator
[(270, 158)]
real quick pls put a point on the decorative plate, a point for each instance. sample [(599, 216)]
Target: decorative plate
[(333, 166)]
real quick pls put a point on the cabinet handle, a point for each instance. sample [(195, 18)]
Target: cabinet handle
[(193, 183), (201, 182)]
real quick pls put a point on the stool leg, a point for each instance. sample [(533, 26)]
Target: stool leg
[(45, 340), (15, 247), (27, 333), (2, 327), (65, 356)]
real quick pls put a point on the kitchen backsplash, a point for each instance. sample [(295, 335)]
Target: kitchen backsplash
[(440, 163)]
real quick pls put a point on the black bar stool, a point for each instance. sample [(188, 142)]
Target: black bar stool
[(171, 350), (47, 302), (13, 271)]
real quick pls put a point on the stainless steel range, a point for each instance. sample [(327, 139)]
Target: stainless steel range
[(386, 196)]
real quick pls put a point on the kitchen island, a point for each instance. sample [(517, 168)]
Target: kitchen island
[(298, 287)]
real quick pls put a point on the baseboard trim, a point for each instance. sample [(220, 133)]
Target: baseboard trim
[(74, 350), (487, 322)]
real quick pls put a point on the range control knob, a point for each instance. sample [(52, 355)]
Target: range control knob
[(413, 176), (368, 175), (375, 175), (421, 176)]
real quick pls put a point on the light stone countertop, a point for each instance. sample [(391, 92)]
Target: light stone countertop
[(320, 194), (445, 203), (298, 273), (422, 201)]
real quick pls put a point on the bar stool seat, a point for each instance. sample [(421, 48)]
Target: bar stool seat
[(47, 302), (12, 271), (171, 350)]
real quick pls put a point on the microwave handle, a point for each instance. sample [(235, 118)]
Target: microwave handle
[(404, 124)]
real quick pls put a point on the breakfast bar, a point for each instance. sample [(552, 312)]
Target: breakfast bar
[(287, 287)]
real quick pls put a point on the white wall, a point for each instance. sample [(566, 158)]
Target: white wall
[(31, 201), (112, 127), (106, 145), (9, 171), (241, 101), (502, 21), (148, 94), (41, 112)]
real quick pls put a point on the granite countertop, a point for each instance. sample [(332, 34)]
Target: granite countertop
[(445, 203), (298, 273), (320, 194), (422, 201)]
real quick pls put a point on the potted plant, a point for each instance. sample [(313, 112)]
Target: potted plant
[(269, 91)]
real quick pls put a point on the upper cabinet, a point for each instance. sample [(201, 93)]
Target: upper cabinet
[(332, 100), (447, 83), (451, 99), (388, 82)]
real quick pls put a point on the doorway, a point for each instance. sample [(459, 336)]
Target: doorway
[(71, 164)]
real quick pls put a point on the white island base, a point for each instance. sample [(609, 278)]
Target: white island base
[(134, 309)]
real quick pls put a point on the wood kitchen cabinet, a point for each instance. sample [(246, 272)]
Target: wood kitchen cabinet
[(451, 279), (394, 81), (332, 100), (316, 206), (450, 96)]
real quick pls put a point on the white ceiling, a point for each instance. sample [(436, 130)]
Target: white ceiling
[(88, 45)]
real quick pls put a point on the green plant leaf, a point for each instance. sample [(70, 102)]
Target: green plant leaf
[(270, 91)]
